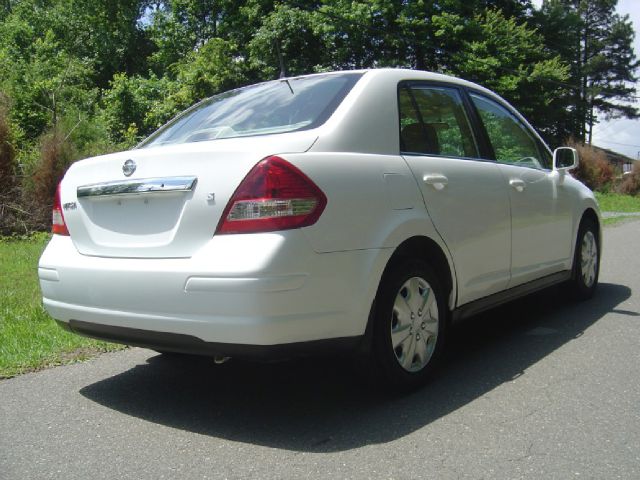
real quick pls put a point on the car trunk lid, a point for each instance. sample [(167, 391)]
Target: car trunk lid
[(169, 204)]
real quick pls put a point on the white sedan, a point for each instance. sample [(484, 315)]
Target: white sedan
[(356, 211)]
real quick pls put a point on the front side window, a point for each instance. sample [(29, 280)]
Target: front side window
[(511, 140), (433, 122), (267, 108)]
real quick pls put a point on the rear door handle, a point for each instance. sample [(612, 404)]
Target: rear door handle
[(438, 181), (517, 184)]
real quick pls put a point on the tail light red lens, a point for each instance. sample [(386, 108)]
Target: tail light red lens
[(58, 224), (275, 195)]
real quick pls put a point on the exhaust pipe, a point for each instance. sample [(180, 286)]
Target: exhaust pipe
[(219, 359)]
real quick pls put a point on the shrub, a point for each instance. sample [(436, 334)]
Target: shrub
[(29, 176), (594, 170), (7, 151), (10, 211), (630, 184), (56, 154)]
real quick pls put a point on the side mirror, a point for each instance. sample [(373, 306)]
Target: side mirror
[(565, 158)]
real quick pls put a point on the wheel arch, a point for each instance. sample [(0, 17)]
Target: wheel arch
[(590, 214), (582, 288), (430, 251)]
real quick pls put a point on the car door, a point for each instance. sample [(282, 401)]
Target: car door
[(541, 217), (466, 198)]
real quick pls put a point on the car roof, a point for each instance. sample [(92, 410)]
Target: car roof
[(398, 74)]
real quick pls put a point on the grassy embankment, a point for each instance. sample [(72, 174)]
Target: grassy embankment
[(29, 338)]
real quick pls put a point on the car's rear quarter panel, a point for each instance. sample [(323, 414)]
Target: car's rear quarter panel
[(373, 204)]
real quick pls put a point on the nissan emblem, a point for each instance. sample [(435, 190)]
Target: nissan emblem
[(128, 168)]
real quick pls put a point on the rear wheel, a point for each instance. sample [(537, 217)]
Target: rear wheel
[(408, 326), (586, 260)]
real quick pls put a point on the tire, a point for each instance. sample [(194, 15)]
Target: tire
[(586, 261), (408, 326)]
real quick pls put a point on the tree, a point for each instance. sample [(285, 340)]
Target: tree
[(44, 82), (108, 34), (213, 68), (610, 74), (128, 103), (179, 27), (597, 43), (505, 56), (133, 107), (288, 33)]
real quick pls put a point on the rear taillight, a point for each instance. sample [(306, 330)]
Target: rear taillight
[(275, 195), (57, 224)]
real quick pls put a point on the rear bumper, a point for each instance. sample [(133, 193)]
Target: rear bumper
[(238, 290), (180, 343)]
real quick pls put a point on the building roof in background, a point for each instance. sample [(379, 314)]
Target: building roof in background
[(615, 157)]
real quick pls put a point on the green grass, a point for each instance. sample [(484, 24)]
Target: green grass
[(615, 202), (29, 338)]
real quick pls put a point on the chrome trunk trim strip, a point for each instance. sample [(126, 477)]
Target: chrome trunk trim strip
[(138, 186)]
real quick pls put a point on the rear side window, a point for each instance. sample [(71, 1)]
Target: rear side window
[(267, 108), (433, 122), (512, 141)]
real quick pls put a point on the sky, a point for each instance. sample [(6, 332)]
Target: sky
[(621, 135)]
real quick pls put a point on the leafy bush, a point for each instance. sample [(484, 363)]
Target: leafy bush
[(56, 154), (29, 175), (9, 210), (594, 170), (7, 150), (26, 198), (630, 184)]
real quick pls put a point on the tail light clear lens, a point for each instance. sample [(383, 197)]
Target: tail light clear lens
[(58, 224), (275, 195)]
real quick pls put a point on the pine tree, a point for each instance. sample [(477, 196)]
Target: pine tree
[(602, 58)]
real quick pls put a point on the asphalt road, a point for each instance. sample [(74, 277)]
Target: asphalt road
[(542, 388)]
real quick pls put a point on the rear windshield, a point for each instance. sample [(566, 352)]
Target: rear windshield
[(273, 107)]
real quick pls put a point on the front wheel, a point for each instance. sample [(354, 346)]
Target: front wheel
[(409, 323), (586, 261)]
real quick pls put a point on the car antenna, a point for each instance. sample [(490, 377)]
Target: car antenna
[(283, 72)]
